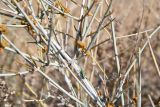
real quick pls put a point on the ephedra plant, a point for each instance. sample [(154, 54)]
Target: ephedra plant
[(55, 44)]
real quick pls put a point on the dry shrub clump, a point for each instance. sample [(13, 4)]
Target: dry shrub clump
[(71, 53)]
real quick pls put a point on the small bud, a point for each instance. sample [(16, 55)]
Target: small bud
[(81, 44), (110, 105), (44, 49), (89, 14), (87, 53), (3, 29)]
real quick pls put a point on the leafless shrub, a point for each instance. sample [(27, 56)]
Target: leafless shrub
[(58, 57)]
